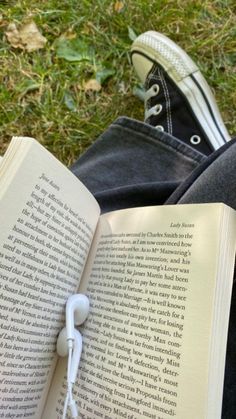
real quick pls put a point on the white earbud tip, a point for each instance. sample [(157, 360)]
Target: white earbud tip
[(62, 346), (82, 312)]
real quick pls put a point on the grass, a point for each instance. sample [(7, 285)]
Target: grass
[(43, 94)]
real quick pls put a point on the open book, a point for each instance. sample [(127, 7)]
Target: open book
[(159, 281)]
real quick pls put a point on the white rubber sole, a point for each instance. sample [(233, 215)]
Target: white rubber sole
[(156, 47)]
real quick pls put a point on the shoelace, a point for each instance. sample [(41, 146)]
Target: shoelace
[(156, 109)]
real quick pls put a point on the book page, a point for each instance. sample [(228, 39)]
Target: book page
[(48, 219), (147, 339)]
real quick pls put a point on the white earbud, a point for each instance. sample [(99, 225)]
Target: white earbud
[(77, 309), (62, 350), (70, 342)]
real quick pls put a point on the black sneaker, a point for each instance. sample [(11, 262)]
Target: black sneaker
[(178, 99)]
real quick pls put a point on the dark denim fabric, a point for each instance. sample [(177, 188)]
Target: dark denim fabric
[(133, 164)]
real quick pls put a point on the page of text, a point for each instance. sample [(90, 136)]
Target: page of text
[(151, 287), (48, 221)]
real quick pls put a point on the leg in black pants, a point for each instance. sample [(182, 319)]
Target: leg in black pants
[(138, 164)]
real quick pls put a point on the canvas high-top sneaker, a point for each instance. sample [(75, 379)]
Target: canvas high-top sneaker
[(178, 99)]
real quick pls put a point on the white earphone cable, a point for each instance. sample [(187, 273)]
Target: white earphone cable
[(69, 386), (69, 396), (65, 406)]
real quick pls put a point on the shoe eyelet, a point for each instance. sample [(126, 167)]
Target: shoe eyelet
[(158, 109), (195, 139), (159, 127), (155, 88)]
